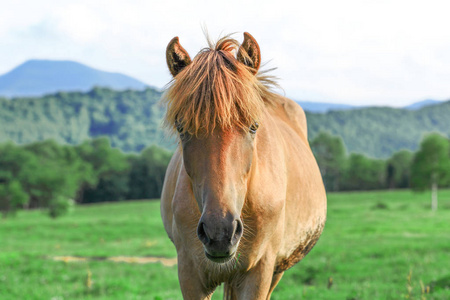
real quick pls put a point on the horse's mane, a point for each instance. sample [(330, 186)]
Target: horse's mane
[(217, 90)]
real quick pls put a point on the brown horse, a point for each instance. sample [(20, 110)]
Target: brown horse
[(243, 199)]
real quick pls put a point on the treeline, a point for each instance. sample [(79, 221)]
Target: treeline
[(48, 174), (427, 168)]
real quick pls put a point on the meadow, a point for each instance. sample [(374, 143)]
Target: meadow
[(376, 245)]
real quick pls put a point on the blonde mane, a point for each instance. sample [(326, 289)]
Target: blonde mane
[(216, 90)]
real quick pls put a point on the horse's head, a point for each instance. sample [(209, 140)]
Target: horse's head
[(215, 102), (218, 167)]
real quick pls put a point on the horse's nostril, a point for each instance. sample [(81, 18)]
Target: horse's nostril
[(201, 233), (218, 233), (237, 232), (239, 228)]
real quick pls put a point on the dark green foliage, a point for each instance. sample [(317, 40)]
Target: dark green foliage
[(110, 187), (58, 174), (130, 177), (60, 206), (42, 174), (353, 172), (12, 196), (431, 163), (364, 173), (147, 173), (331, 157), (359, 172), (105, 166), (431, 166), (47, 174), (398, 169), (17, 167)]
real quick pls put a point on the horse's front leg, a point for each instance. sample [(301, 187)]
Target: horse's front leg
[(256, 284), (192, 284)]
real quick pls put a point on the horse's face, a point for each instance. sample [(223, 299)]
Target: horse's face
[(219, 167), (218, 162)]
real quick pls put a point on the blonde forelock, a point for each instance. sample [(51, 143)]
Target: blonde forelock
[(216, 90)]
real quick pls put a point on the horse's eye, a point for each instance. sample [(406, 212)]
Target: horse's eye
[(179, 126), (254, 127)]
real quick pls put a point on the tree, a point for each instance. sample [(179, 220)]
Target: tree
[(12, 196), (147, 173), (55, 177), (49, 175), (15, 165), (331, 157), (431, 165), (398, 169), (112, 186), (102, 163), (363, 173)]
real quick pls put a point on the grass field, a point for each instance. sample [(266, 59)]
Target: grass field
[(376, 245)]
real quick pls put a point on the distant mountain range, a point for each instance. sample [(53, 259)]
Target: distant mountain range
[(40, 77), (35, 78), (324, 107), (424, 103)]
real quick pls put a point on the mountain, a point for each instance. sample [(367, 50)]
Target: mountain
[(420, 104), (40, 77), (132, 121), (323, 107)]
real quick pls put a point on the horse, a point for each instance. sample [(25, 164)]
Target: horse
[(243, 199)]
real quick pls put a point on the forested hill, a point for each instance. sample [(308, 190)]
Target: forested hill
[(132, 121), (380, 131)]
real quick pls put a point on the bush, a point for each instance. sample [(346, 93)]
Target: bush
[(60, 206)]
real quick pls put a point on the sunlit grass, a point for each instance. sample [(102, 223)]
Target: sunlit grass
[(376, 245)]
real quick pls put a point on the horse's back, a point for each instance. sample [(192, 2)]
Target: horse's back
[(292, 113)]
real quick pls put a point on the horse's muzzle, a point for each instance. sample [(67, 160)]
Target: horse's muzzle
[(220, 236)]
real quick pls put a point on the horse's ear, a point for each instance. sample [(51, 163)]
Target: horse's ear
[(249, 53), (177, 58)]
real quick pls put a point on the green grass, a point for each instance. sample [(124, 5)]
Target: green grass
[(371, 243)]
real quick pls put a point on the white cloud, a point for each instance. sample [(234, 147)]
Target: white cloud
[(361, 52), (80, 23)]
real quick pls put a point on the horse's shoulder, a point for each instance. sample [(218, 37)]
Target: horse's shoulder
[(293, 114)]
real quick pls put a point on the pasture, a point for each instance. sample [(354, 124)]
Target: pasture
[(376, 245)]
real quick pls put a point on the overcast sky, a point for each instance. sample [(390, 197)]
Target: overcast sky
[(356, 52)]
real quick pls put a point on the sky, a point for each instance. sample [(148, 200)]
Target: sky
[(354, 52)]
